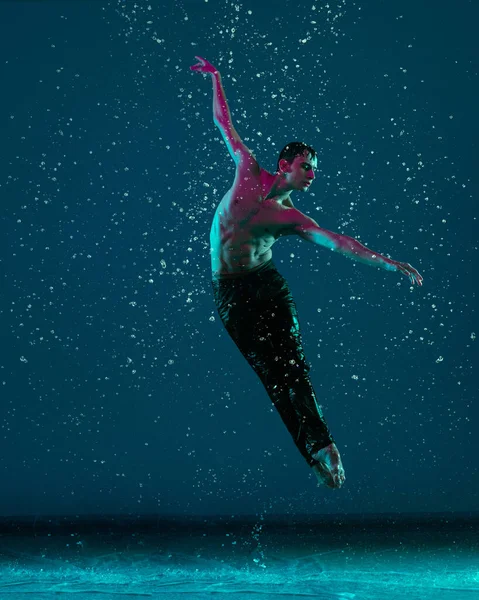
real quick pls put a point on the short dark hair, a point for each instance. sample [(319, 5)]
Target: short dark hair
[(294, 149)]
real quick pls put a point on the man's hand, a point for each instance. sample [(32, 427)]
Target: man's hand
[(203, 66), (411, 272)]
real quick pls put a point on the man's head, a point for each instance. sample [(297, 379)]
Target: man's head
[(296, 163)]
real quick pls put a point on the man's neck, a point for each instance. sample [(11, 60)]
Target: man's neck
[(279, 190)]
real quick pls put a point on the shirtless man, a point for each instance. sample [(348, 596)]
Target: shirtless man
[(253, 299)]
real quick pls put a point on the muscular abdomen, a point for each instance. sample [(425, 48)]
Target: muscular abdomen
[(238, 243)]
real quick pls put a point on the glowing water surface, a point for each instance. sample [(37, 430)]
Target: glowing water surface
[(365, 559)]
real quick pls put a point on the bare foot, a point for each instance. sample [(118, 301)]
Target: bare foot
[(329, 470)]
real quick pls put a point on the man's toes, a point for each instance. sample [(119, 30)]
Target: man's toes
[(331, 478), (339, 478)]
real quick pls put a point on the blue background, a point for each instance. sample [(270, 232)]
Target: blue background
[(120, 390)]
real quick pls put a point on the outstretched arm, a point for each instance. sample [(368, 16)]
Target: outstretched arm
[(309, 230), (222, 116)]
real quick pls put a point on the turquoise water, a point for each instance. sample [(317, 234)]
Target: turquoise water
[(362, 559)]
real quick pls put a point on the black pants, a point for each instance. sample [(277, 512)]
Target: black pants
[(259, 313)]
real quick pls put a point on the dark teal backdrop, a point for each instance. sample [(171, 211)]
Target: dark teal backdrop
[(120, 391)]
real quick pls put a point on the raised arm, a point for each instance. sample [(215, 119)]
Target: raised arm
[(222, 116), (309, 230)]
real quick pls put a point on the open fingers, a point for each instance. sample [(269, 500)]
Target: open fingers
[(414, 276), (199, 64)]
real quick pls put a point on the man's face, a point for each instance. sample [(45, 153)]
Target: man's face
[(300, 173)]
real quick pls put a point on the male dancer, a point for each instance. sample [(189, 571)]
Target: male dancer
[(253, 299)]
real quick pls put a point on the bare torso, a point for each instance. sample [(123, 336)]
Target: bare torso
[(246, 224)]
